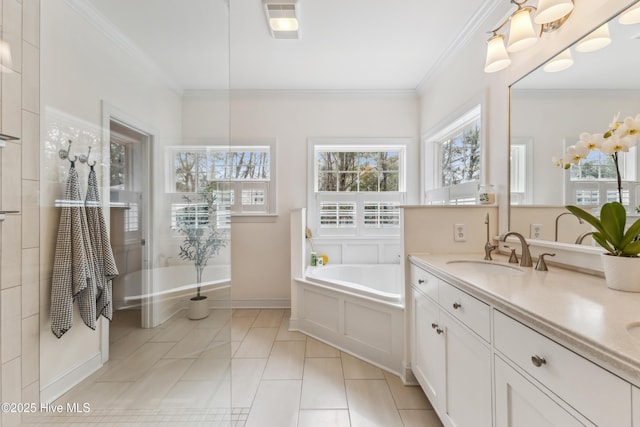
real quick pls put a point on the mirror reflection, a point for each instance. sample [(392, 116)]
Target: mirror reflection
[(550, 109)]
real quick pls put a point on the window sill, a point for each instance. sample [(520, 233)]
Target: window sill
[(253, 218)]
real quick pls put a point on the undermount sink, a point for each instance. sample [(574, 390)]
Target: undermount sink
[(634, 329), (490, 268)]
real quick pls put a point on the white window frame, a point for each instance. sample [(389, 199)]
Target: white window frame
[(465, 193), (237, 208), (316, 198)]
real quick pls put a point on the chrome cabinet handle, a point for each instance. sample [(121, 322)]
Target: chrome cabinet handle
[(537, 361), (457, 305), (434, 325), (420, 281), (439, 330)]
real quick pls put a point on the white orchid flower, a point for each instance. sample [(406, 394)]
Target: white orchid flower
[(590, 141), (614, 144), (559, 162), (615, 123), (630, 127), (575, 153)]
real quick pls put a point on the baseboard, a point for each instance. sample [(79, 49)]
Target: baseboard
[(261, 303), (65, 382)]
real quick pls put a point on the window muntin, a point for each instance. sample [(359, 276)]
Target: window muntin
[(240, 176), (358, 188)]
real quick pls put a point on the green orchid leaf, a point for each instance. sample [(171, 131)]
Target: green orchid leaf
[(602, 241), (613, 217), (630, 235), (586, 216), (632, 249)]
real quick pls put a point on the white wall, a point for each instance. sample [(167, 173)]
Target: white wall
[(261, 250), (81, 67), (462, 78)]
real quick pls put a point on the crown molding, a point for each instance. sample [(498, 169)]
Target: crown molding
[(110, 31), (288, 93), (470, 29)]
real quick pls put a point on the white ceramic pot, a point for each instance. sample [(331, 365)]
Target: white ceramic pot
[(198, 308), (621, 273)]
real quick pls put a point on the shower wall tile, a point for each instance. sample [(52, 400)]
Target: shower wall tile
[(30, 145), (30, 282), (30, 214), (11, 171), (11, 327), (31, 78), (11, 104), (11, 390), (30, 349), (10, 257), (12, 30), (31, 21)]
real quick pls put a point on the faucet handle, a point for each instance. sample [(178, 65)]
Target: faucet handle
[(513, 258), (541, 265)]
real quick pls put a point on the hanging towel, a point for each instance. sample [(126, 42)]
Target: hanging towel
[(104, 262), (72, 265)]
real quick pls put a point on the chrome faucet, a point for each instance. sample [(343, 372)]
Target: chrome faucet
[(558, 217), (525, 261), (488, 247), (583, 236)]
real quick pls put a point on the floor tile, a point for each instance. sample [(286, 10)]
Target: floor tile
[(257, 343), (356, 369), (239, 327), (323, 384), (420, 418), (276, 404), (371, 404), (284, 334), (324, 418), (317, 348), (268, 318), (246, 312), (192, 344), (128, 344), (135, 366), (245, 379), (406, 397), (286, 361)]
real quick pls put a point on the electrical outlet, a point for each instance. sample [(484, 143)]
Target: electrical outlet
[(536, 231), (459, 233)]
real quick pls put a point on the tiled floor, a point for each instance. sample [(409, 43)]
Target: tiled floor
[(179, 375)]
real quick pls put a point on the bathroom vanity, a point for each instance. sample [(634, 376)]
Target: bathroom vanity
[(495, 344)]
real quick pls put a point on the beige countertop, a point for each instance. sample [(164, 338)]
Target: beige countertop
[(576, 310)]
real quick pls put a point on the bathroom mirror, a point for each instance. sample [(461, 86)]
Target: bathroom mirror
[(548, 111)]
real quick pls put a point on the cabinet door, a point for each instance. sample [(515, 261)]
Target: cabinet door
[(467, 376), (427, 359), (521, 404)]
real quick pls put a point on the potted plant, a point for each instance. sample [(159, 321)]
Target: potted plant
[(202, 240), (621, 263)]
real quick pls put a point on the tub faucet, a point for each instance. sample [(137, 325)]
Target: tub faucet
[(525, 261), (488, 247), (558, 217)]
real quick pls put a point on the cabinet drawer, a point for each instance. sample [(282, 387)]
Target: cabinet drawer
[(471, 311), (427, 283), (599, 395)]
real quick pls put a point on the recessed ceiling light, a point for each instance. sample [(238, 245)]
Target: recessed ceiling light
[(282, 18)]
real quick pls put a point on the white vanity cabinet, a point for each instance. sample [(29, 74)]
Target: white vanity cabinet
[(449, 359), (482, 367)]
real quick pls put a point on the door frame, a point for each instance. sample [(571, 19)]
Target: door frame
[(110, 114)]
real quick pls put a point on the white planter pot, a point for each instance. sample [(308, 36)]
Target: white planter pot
[(621, 273), (198, 308)]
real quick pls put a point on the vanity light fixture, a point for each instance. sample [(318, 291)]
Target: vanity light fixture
[(549, 14), (560, 62), (282, 18), (630, 16), (5, 57), (596, 40)]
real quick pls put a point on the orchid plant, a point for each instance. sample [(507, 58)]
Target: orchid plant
[(611, 232)]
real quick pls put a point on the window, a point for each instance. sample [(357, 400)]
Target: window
[(457, 156), (593, 181), (242, 177), (357, 187)]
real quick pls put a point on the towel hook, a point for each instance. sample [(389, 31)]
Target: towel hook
[(85, 159), (64, 153)]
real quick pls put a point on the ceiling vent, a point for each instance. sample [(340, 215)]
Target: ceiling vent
[(282, 18)]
